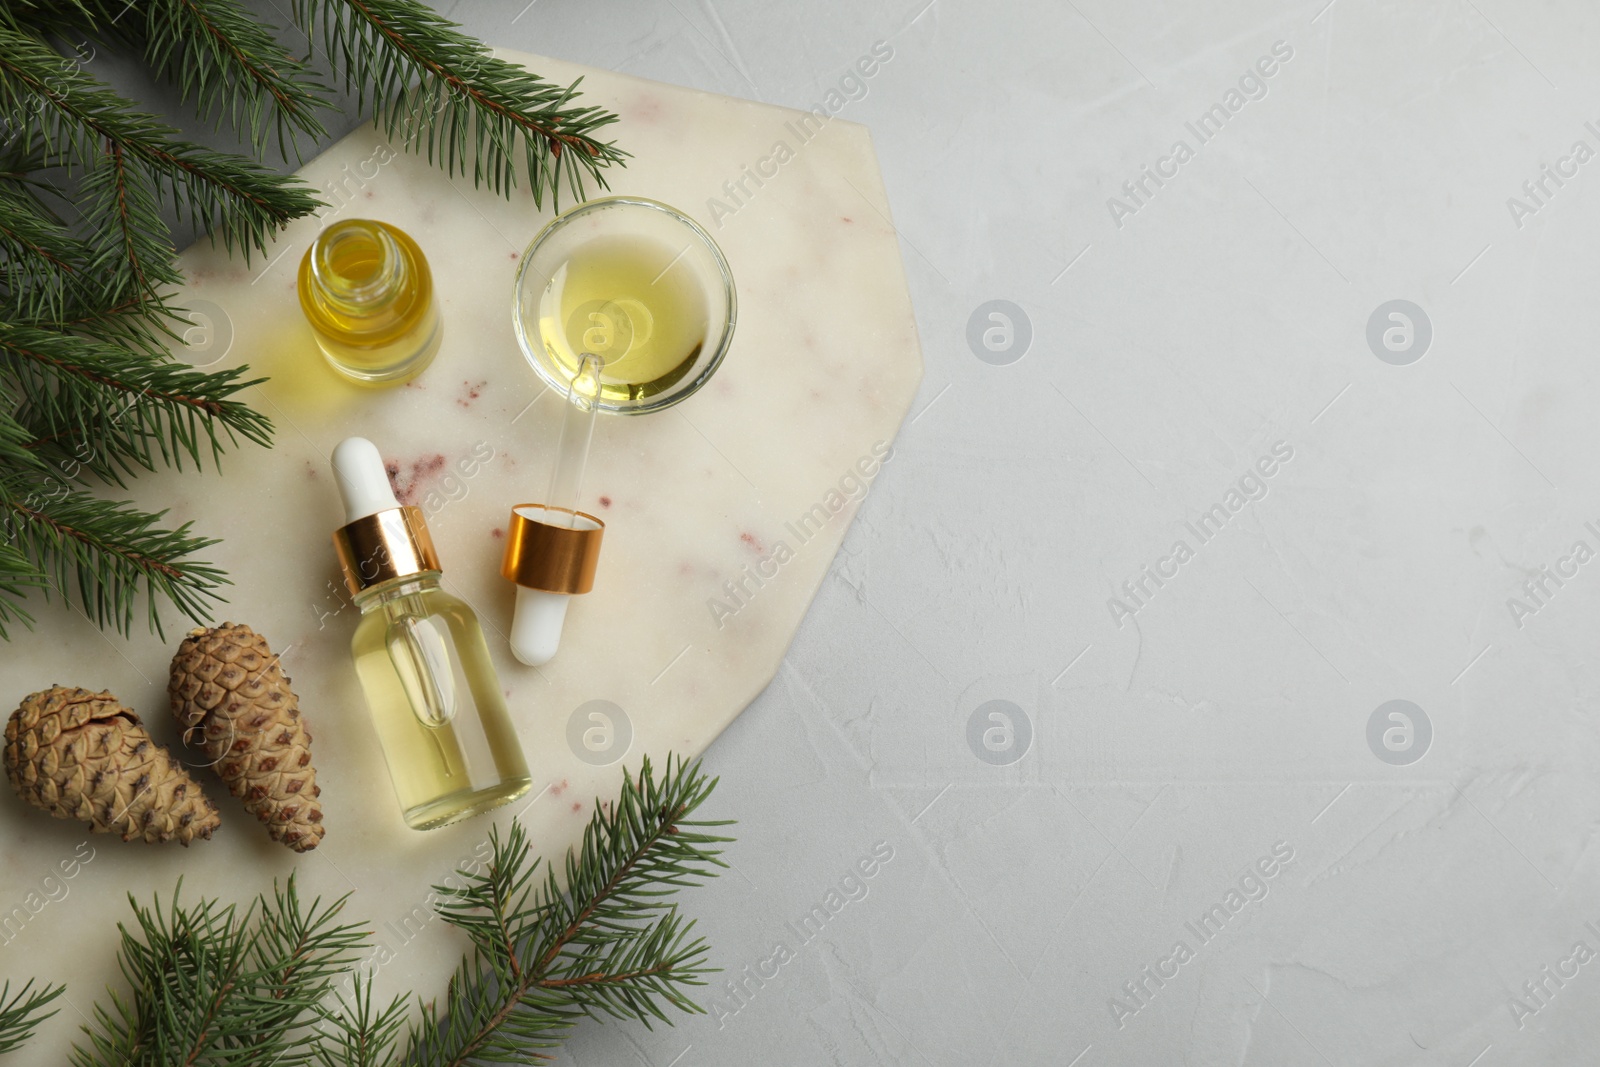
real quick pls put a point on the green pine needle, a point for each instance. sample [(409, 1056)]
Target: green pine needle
[(18, 576), (42, 269), (471, 111), (22, 1012), (355, 1034), (109, 410), (75, 116), (113, 553), (211, 984), (609, 941), (232, 66)]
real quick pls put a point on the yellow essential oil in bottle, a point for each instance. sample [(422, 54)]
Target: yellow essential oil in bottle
[(421, 656), (422, 660), (366, 289), (632, 301)]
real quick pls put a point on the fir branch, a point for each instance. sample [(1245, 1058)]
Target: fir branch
[(18, 573), (232, 66), (224, 60), (106, 409), (113, 284), (74, 115), (18, 455), (210, 984), (545, 955), (41, 263), (357, 1035), (131, 249), (111, 551), (21, 1013), (133, 324), (426, 77), (59, 17), (18, 576)]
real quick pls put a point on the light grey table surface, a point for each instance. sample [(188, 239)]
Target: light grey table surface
[(1070, 776)]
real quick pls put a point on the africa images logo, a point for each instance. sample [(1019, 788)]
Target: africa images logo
[(1251, 487), (1252, 85)]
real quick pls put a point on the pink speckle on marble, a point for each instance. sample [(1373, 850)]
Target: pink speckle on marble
[(751, 540), (470, 391), (605, 502), (577, 806), (409, 482), (647, 108), (497, 533), (556, 789)]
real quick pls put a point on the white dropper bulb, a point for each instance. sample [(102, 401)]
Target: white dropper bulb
[(539, 615), (363, 481), (536, 624)]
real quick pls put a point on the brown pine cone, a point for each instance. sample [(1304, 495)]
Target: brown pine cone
[(231, 695), (85, 756)]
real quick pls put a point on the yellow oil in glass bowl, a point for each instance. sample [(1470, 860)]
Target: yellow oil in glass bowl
[(636, 283), (630, 302)]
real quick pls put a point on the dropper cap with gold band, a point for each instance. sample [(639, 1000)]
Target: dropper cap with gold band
[(553, 549), (381, 539), (551, 555)]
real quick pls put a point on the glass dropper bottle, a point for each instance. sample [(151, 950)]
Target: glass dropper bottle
[(552, 549), (420, 653)]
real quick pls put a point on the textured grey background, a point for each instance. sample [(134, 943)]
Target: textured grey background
[(1433, 899)]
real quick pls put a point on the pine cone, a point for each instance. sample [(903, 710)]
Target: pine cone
[(230, 694), (85, 756)]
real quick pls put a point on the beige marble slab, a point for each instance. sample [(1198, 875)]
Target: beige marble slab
[(752, 482)]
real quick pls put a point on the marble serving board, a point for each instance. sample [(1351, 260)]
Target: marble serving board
[(723, 515)]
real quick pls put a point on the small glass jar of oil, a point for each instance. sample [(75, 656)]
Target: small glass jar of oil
[(366, 289), (636, 283)]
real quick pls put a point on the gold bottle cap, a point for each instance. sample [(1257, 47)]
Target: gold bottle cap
[(552, 556), (392, 543)]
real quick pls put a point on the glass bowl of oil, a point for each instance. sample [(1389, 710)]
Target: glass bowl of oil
[(637, 283)]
